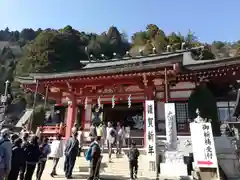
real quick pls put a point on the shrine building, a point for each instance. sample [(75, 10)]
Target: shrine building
[(115, 90)]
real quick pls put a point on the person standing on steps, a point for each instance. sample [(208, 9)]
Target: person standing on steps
[(71, 152), (133, 155), (45, 151), (100, 134), (104, 135), (92, 132), (95, 161), (111, 135), (5, 154), (81, 140), (120, 138), (24, 145), (32, 153), (56, 153), (17, 159)]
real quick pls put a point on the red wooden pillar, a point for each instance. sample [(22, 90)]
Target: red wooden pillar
[(149, 95), (71, 115)]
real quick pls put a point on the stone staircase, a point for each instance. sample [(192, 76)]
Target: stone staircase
[(118, 167), (25, 117)]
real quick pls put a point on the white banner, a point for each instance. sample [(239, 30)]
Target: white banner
[(150, 130), (170, 123), (203, 145)]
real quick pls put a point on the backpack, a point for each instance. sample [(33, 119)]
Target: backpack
[(112, 133), (88, 155)]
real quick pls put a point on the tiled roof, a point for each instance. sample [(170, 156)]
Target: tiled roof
[(192, 64), (126, 65)]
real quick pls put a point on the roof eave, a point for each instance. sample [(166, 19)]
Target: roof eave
[(106, 71)]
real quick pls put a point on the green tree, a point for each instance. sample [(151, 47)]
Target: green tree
[(28, 34), (38, 117), (203, 99), (51, 51)]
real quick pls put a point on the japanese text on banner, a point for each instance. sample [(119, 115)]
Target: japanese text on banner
[(150, 130)]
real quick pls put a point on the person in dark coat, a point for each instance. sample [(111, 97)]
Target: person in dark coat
[(17, 159), (96, 159), (71, 152), (133, 155), (45, 151), (23, 166), (32, 153)]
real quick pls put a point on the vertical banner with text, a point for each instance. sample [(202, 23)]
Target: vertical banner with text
[(203, 145), (150, 131)]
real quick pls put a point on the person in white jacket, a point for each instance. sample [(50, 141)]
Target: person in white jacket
[(111, 135), (56, 153)]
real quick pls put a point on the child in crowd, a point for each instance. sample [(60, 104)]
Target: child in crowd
[(133, 155)]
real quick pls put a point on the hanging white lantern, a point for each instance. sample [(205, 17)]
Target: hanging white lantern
[(99, 102), (113, 101), (86, 103), (129, 101)]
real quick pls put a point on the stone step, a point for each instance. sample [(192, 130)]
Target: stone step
[(119, 168)]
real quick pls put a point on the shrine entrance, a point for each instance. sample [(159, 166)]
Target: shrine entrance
[(129, 117), (121, 113)]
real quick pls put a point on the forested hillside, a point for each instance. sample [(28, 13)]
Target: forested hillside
[(58, 50)]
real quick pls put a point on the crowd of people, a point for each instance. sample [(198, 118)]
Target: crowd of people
[(100, 136), (107, 136), (21, 155)]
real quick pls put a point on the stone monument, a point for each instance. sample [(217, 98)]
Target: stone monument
[(173, 158)]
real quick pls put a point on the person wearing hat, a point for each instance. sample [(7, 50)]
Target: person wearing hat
[(5, 154)]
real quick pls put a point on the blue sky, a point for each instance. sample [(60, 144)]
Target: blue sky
[(208, 19)]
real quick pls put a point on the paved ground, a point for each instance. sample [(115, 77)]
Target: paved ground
[(118, 170), (80, 175)]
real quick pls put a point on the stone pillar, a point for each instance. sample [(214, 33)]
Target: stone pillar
[(171, 128), (173, 157), (71, 116)]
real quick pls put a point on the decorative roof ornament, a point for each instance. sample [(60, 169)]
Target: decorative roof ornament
[(154, 50), (141, 52), (169, 48), (113, 101), (183, 45), (223, 128), (129, 101), (199, 119), (86, 103)]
